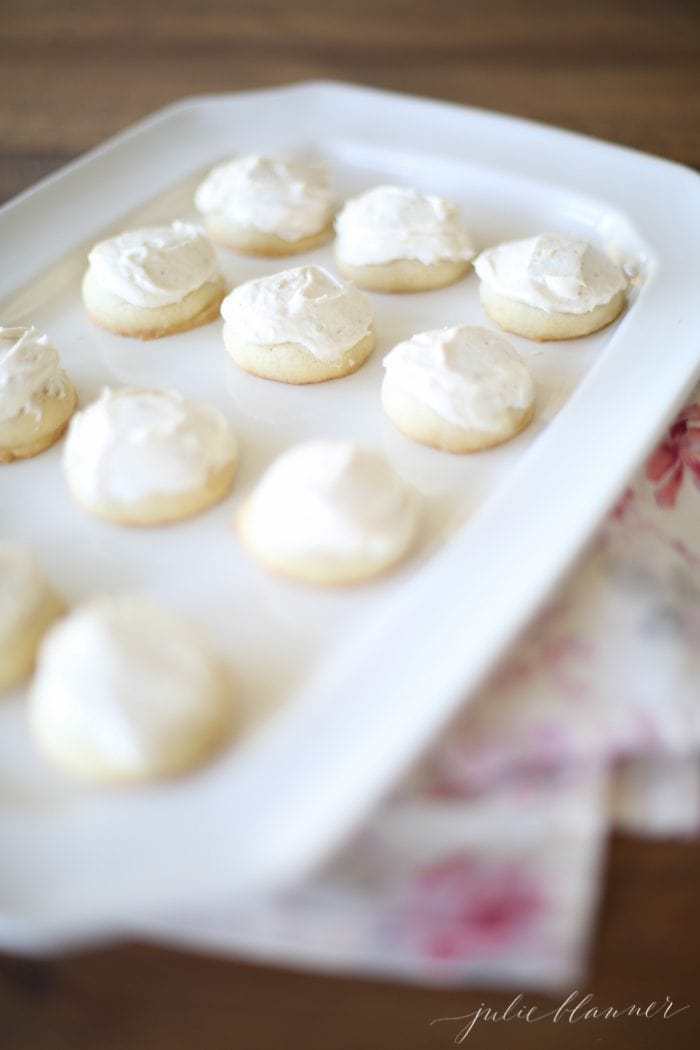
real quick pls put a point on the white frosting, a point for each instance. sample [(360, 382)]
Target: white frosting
[(551, 272), (23, 590), (124, 688), (469, 376), (393, 222), (30, 370), (285, 198), (307, 306), (156, 266), (132, 444), (331, 499)]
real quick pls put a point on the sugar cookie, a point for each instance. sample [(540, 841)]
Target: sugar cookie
[(126, 691), (550, 287), (262, 206), (458, 389), (329, 512), (144, 457), (153, 282), (394, 239), (36, 396), (28, 606), (298, 326)]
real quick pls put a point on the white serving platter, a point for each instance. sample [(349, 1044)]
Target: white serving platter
[(339, 689)]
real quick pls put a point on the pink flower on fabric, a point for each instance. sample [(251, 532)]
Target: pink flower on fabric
[(461, 908), (561, 656), (678, 453), (623, 505), (470, 765)]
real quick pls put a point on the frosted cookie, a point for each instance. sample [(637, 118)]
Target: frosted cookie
[(298, 326), (328, 512), (550, 287), (143, 457), (261, 206), (126, 691), (28, 606), (458, 389), (394, 239), (153, 282), (36, 396)]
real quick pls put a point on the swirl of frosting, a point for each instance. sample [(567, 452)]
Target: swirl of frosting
[(30, 369), (394, 222), (131, 444), (125, 689), (285, 198), (551, 272), (331, 498), (306, 305), (467, 375), (155, 266)]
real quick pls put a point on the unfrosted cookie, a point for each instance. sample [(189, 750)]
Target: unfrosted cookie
[(28, 605), (328, 512), (127, 691), (394, 239), (298, 326), (144, 457), (153, 282), (262, 206), (36, 396), (550, 287), (458, 389)]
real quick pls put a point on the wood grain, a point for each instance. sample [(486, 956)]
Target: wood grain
[(72, 73)]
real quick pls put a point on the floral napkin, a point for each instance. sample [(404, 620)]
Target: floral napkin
[(485, 865)]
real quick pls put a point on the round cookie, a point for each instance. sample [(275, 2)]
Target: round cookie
[(248, 241), (550, 287), (328, 512), (404, 275), (28, 606), (531, 322), (394, 239), (458, 389), (37, 398), (147, 457), (109, 311), (153, 282), (261, 206), (298, 326), (126, 691)]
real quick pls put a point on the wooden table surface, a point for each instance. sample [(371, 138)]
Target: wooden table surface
[(72, 73)]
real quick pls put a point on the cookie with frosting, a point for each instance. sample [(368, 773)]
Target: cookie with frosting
[(395, 239), (145, 457), (127, 691), (266, 206), (458, 389), (28, 606), (298, 326), (153, 282), (550, 287), (329, 512), (37, 398)]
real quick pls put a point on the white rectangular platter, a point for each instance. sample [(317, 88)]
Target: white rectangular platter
[(339, 689)]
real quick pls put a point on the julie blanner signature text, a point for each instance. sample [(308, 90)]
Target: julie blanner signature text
[(577, 1008)]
